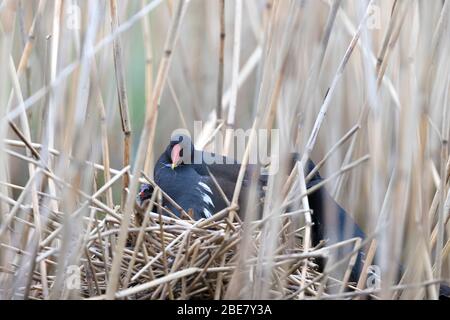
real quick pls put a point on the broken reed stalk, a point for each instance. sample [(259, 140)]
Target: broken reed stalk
[(324, 109), (308, 221), (25, 137), (104, 133), (235, 74), (150, 120), (220, 76), (146, 35), (381, 62), (50, 121), (32, 241), (122, 96), (445, 133), (67, 71)]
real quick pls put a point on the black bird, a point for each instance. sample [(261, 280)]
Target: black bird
[(331, 223), (184, 173), (189, 190)]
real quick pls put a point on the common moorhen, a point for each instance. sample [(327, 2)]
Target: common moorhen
[(184, 173), (187, 176)]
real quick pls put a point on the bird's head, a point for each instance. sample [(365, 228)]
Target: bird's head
[(180, 150), (144, 194)]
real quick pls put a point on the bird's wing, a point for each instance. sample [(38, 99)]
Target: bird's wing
[(225, 168)]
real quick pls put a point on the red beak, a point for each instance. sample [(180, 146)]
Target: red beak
[(175, 155)]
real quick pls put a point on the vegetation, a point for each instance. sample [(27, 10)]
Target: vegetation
[(91, 90)]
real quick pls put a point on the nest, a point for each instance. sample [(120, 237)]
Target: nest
[(171, 258)]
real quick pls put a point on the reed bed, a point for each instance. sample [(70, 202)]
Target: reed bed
[(169, 258), (91, 90)]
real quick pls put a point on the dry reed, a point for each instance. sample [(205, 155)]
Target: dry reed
[(90, 92)]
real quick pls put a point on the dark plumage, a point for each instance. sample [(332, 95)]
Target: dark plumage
[(190, 183), (184, 174), (332, 223), (189, 189)]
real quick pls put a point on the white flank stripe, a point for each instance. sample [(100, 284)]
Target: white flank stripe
[(207, 199), (205, 186), (207, 213)]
